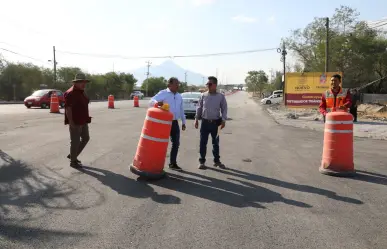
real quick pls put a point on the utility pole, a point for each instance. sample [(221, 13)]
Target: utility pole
[(216, 73), (203, 80), (148, 64), (53, 49), (283, 59), (185, 77), (327, 45)]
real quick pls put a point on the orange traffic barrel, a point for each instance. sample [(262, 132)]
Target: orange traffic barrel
[(54, 104), (152, 148), (136, 101), (111, 101), (337, 158)]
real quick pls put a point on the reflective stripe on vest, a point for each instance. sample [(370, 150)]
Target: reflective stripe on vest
[(330, 98)]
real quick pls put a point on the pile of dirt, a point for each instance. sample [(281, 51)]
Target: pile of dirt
[(371, 108)]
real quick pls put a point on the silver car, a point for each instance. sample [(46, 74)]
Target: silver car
[(190, 103)]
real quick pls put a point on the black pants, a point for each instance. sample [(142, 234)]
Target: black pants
[(175, 139), (353, 111), (206, 129)]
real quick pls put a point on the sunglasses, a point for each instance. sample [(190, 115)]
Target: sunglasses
[(209, 84)]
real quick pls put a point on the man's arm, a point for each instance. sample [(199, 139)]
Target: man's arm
[(223, 108), (69, 100), (159, 97), (323, 105), (199, 110), (183, 119), (348, 100)]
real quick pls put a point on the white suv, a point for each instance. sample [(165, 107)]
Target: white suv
[(137, 93)]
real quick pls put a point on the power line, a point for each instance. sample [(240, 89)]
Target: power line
[(165, 56), (32, 58)]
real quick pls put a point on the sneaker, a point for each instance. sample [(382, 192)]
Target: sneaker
[(220, 165), (202, 166), (174, 166), (69, 157), (75, 165)]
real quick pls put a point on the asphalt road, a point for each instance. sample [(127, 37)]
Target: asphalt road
[(278, 200)]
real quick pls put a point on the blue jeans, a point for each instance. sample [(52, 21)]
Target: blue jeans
[(175, 139), (206, 129)]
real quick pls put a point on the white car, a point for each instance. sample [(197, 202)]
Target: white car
[(190, 102), (273, 99)]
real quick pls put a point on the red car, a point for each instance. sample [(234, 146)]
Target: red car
[(42, 98)]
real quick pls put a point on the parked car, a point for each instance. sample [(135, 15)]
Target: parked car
[(137, 93), (42, 98), (273, 99), (190, 102)]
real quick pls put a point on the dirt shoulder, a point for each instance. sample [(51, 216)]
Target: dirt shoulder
[(369, 125)]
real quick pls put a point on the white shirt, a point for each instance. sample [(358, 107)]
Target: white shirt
[(174, 100)]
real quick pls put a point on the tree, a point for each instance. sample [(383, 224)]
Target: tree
[(18, 80), (355, 49), (256, 81), (155, 84)]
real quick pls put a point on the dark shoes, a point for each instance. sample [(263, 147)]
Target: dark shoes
[(217, 164), (220, 165), (75, 160), (75, 164), (174, 166)]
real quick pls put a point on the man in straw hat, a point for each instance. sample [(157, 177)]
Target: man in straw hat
[(77, 117)]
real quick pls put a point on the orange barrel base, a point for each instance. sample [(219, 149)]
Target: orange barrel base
[(337, 156), (149, 175), (153, 144), (330, 172)]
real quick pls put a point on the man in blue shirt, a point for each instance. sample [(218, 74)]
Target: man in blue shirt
[(175, 102)]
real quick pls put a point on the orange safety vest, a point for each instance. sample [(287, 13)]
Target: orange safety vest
[(335, 102)]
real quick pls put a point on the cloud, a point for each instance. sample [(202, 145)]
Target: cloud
[(202, 2), (244, 19), (271, 19)]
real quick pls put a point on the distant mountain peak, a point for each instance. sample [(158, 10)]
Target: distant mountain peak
[(169, 68)]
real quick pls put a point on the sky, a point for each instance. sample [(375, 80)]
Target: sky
[(142, 28)]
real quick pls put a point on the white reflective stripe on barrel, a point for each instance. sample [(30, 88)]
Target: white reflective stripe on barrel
[(338, 122), (338, 131), (158, 120), (161, 140)]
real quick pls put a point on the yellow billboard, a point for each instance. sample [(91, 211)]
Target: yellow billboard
[(304, 90)]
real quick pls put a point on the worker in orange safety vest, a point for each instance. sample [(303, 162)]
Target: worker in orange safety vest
[(336, 98)]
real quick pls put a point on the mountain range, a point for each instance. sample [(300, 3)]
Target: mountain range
[(169, 69)]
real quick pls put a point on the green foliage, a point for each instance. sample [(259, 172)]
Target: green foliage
[(355, 49), (256, 81), (22, 79), (154, 85)]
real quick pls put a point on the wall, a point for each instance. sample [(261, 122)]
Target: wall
[(374, 98)]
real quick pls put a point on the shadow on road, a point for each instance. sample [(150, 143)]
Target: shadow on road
[(127, 186), (288, 185), (228, 193), (28, 235), (27, 194), (371, 177)]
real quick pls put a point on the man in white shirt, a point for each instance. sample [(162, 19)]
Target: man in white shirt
[(175, 102)]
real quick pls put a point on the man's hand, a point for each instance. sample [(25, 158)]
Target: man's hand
[(160, 103), (223, 124), (196, 124), (183, 127)]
